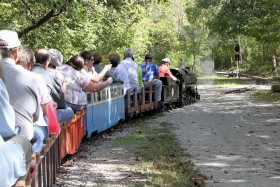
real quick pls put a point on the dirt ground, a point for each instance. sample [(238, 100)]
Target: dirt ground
[(232, 139)]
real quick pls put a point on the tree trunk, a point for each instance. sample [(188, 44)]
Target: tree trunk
[(274, 63)]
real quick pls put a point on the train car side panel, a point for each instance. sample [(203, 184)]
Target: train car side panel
[(106, 110)]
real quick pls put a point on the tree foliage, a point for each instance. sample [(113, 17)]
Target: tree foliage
[(187, 31)]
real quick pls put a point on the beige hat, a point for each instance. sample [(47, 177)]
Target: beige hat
[(10, 38), (166, 60)]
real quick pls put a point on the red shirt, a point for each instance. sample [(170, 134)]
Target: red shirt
[(164, 71)]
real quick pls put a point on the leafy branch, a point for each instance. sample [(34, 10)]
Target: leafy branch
[(52, 13)]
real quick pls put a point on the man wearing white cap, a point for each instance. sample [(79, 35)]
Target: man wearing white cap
[(15, 150), (21, 85), (164, 70)]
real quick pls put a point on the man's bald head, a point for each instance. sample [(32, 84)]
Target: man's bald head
[(42, 56)]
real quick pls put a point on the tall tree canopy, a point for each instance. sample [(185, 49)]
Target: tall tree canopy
[(187, 31)]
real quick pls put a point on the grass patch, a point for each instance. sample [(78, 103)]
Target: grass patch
[(224, 82), (266, 95), (160, 155), (220, 81)]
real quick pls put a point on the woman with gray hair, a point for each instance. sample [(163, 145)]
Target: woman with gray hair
[(55, 61)]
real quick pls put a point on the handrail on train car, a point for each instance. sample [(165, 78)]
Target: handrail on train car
[(48, 158), (140, 102)]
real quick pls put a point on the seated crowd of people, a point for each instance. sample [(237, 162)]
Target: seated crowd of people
[(36, 87)]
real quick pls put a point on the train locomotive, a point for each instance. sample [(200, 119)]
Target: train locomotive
[(106, 109)]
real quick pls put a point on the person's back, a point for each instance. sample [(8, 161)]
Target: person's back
[(21, 86), (53, 85), (55, 61), (15, 159), (150, 75), (7, 120), (131, 68), (149, 69), (98, 68), (26, 59), (22, 89), (62, 114), (78, 83), (119, 71), (164, 70), (15, 150)]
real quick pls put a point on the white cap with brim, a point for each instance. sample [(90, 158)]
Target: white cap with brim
[(167, 60), (11, 38)]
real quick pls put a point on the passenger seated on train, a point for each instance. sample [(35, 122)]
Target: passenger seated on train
[(15, 150), (132, 69), (21, 85), (119, 71), (90, 70), (16, 160), (42, 56), (164, 70), (78, 83), (150, 75), (26, 59), (55, 61), (98, 68)]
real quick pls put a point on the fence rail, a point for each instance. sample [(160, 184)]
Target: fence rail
[(55, 149)]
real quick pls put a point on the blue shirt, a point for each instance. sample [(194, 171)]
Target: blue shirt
[(152, 71), (12, 161), (7, 114)]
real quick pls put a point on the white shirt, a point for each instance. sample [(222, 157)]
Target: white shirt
[(132, 70), (44, 97), (91, 73), (121, 74)]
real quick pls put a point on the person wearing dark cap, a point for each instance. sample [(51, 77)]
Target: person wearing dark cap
[(164, 70), (21, 85), (150, 75)]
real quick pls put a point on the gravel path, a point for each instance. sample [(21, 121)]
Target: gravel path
[(231, 139), (101, 164)]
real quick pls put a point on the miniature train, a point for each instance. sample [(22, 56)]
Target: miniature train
[(106, 109)]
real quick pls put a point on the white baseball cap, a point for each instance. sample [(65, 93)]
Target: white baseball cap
[(167, 60), (10, 37)]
